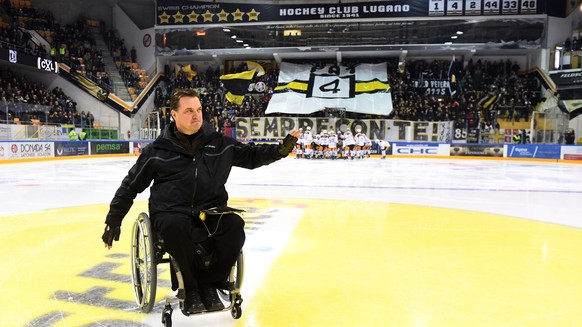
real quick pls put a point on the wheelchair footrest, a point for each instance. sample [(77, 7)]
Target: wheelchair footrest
[(181, 294)]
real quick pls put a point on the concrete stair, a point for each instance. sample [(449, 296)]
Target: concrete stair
[(119, 88)]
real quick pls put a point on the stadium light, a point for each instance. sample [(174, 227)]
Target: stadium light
[(558, 58)]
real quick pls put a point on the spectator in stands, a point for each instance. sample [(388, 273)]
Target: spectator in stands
[(90, 120), (570, 136), (227, 128), (133, 54)]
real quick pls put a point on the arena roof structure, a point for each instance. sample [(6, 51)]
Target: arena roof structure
[(519, 32)]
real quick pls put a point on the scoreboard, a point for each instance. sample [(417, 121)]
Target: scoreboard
[(187, 12), (481, 7)]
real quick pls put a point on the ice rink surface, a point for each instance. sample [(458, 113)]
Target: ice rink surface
[(444, 243), (542, 191)]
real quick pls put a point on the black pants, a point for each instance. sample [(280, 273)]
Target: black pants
[(180, 233)]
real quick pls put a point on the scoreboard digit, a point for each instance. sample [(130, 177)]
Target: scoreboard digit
[(491, 7), (436, 8), (454, 7), (509, 7), (472, 7), (529, 6)]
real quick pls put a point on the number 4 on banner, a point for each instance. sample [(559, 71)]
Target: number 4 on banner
[(331, 86), (334, 89)]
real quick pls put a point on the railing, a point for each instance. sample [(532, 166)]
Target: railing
[(18, 112), (148, 133), (98, 82), (23, 49), (550, 126), (60, 132), (34, 114)]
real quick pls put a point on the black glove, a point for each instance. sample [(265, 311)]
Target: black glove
[(111, 233), (287, 146)]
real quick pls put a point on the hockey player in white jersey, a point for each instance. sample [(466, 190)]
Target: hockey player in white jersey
[(332, 141), (340, 144), (367, 146), (324, 144), (318, 152), (299, 146), (349, 144), (307, 143), (383, 147), (360, 142)]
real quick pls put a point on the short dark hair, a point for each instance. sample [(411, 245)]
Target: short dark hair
[(179, 94)]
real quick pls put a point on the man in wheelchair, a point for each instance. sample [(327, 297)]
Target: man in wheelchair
[(189, 164)]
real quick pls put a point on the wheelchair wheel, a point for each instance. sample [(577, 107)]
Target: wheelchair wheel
[(143, 263), (167, 316), (235, 278), (236, 312)]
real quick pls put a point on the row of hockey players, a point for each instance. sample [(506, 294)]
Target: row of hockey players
[(333, 146)]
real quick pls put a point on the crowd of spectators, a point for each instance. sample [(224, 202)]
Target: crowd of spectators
[(483, 92), (11, 33), (574, 44), (72, 43), (26, 102), (125, 60), (216, 110), (77, 44), (480, 93)]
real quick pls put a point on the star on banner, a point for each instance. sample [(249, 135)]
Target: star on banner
[(178, 17), (193, 17), (164, 18), (222, 16), (207, 16), (238, 15), (253, 15)]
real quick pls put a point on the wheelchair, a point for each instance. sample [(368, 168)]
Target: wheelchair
[(147, 251)]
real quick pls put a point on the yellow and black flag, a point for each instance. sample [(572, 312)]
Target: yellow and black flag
[(237, 85), (256, 66)]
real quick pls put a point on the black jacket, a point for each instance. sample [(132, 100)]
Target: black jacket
[(187, 183)]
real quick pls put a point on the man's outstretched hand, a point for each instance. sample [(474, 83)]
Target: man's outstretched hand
[(296, 133), (288, 143), (110, 234)]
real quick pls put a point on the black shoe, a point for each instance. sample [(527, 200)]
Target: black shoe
[(210, 298), (193, 304)]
